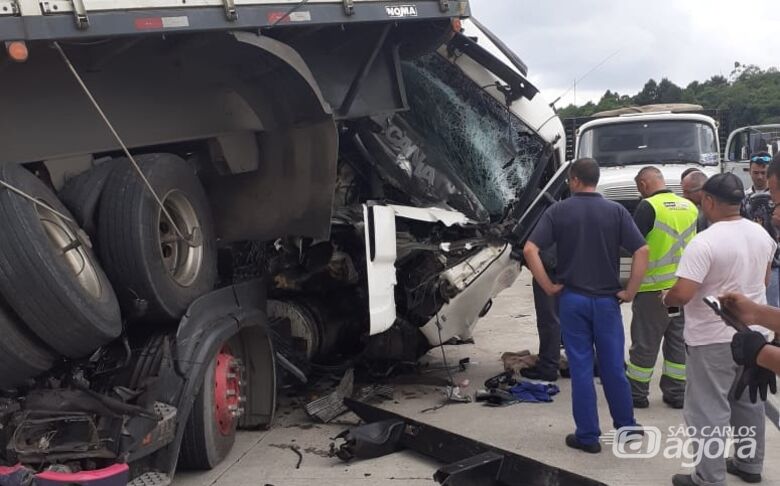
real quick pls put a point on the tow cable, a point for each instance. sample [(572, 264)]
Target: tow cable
[(190, 239), (186, 238)]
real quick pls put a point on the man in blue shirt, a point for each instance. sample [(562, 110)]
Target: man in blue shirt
[(589, 232)]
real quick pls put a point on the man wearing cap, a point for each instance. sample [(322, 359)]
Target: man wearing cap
[(758, 207), (589, 232), (668, 223), (733, 255)]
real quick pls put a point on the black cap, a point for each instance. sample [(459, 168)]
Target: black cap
[(726, 187)]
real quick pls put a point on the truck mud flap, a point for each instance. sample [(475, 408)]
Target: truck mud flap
[(469, 461)]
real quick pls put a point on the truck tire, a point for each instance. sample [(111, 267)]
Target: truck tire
[(156, 275), (48, 274), (211, 427), (22, 354), (81, 195)]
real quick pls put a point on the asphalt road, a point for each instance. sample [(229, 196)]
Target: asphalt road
[(533, 430)]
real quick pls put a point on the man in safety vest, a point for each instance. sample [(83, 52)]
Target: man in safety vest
[(668, 223)]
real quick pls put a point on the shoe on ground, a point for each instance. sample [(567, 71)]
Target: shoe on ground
[(574, 443), (682, 480), (534, 373), (676, 404), (732, 468), (641, 403), (565, 373)]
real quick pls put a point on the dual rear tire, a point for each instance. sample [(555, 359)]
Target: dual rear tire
[(55, 298)]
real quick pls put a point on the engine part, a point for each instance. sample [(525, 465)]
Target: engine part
[(49, 439), (305, 328)]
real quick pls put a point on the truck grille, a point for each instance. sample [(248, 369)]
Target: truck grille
[(622, 193)]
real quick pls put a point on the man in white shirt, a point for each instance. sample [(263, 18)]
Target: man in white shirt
[(733, 255)]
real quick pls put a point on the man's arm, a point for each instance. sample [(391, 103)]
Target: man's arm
[(768, 275), (769, 358), (644, 217), (638, 269), (632, 240), (749, 312), (683, 291), (534, 263)]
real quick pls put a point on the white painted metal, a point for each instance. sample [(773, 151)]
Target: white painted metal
[(381, 268), (8, 7), (59, 6), (447, 217), (535, 113), (493, 272)]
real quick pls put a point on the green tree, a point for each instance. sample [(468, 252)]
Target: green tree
[(750, 94)]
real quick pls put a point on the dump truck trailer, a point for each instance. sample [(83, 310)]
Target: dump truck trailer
[(199, 199)]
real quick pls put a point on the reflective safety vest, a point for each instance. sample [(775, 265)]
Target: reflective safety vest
[(675, 225)]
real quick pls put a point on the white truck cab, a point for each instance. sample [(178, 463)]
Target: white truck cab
[(623, 144), (626, 140)]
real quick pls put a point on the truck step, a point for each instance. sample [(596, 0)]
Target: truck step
[(162, 435), (151, 479)]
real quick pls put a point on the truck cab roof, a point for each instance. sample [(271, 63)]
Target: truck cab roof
[(659, 116)]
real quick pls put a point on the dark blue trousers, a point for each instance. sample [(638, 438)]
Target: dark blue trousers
[(587, 322)]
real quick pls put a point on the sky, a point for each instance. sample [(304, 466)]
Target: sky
[(683, 40)]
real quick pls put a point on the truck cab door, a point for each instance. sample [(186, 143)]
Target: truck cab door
[(555, 189), (737, 157)]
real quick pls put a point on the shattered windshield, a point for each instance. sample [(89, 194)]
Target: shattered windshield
[(661, 141), (469, 135)]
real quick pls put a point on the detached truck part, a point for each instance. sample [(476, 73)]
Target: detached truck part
[(189, 191)]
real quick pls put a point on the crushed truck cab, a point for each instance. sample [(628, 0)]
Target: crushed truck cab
[(203, 201)]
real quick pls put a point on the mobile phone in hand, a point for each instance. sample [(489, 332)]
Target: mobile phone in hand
[(727, 317)]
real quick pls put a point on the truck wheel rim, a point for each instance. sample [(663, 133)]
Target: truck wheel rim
[(227, 391), (181, 258), (71, 249)]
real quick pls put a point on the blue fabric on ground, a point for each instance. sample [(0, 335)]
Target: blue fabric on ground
[(534, 392)]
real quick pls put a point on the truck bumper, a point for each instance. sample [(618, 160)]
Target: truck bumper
[(116, 475)]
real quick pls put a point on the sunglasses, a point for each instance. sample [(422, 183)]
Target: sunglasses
[(761, 159)]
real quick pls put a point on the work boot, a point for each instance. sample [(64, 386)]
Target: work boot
[(683, 480), (535, 373), (574, 443), (732, 468), (676, 404), (641, 402)]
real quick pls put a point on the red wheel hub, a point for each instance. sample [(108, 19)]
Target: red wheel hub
[(227, 391)]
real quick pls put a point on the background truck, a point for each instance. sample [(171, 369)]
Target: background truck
[(201, 199), (624, 141)]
